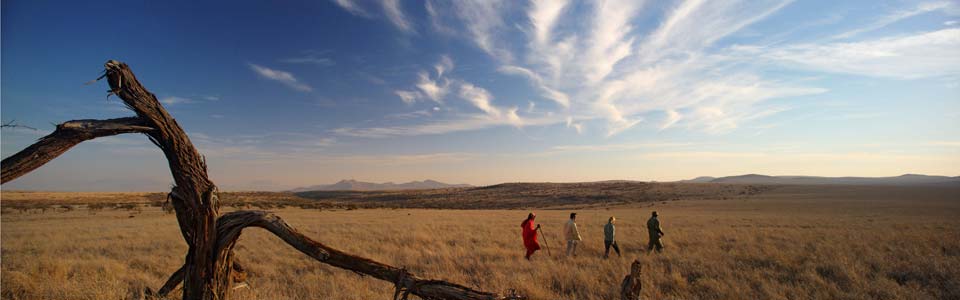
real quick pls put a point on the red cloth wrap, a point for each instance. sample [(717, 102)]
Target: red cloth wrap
[(530, 236)]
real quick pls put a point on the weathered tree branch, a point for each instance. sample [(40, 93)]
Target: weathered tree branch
[(230, 225), (66, 136), (13, 124), (175, 279)]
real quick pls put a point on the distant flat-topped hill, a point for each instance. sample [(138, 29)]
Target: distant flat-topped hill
[(354, 185), (906, 179)]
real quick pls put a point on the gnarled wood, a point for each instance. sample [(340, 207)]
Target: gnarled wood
[(195, 198), (66, 136)]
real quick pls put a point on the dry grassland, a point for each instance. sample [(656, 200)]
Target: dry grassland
[(799, 243)]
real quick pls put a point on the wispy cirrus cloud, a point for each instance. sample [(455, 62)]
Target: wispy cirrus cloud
[(437, 89), (606, 68), (408, 97), (394, 12), (174, 100), (926, 54), (897, 16), (283, 77), (548, 92), (680, 72), (352, 7), (456, 123), (391, 9)]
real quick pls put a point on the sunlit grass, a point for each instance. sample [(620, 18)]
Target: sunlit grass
[(754, 249)]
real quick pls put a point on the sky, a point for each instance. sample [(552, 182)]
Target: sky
[(279, 95)]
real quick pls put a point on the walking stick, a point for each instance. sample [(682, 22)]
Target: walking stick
[(545, 244)]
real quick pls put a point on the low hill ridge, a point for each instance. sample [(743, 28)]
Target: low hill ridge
[(905, 179), (355, 185)]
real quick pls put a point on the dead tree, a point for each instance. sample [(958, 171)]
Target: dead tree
[(209, 262)]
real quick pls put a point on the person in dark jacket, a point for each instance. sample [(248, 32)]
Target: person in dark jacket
[(609, 238), (653, 227)]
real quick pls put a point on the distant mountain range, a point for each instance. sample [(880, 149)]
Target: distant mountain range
[(906, 179), (354, 185)]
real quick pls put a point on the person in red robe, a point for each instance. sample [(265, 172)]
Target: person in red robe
[(530, 235)]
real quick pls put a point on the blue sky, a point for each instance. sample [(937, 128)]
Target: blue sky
[(285, 94)]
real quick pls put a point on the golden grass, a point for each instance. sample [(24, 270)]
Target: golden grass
[(785, 247)]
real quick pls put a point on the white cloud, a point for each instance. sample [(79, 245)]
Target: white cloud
[(671, 118), (483, 22), (352, 7), (618, 147), (458, 123), (408, 97), (600, 64), (481, 99), (920, 55), (173, 100), (435, 90), (578, 126), (411, 115), (390, 8), (436, 18), (393, 11), (610, 39), (545, 90), (696, 24), (445, 64), (897, 16), (283, 77), (543, 16)]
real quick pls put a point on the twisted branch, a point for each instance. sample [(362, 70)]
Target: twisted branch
[(66, 136), (230, 225)]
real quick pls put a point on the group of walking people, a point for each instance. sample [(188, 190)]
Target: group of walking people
[(571, 235)]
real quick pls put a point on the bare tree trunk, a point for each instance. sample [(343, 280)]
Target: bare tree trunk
[(194, 197)]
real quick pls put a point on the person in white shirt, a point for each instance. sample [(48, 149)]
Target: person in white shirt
[(572, 235)]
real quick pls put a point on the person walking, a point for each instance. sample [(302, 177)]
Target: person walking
[(609, 238), (572, 235), (653, 228), (530, 235)]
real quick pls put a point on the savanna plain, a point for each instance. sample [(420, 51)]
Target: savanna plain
[(786, 242)]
